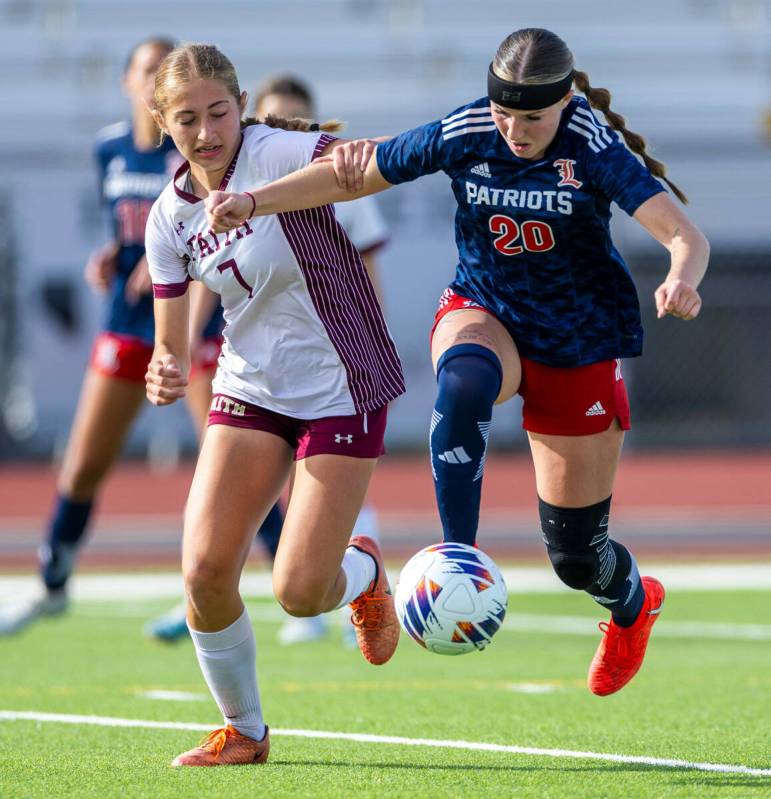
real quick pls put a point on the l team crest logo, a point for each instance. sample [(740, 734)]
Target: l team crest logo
[(567, 175)]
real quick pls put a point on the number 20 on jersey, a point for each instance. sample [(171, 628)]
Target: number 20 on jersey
[(535, 236)]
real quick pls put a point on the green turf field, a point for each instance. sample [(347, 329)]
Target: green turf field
[(701, 698)]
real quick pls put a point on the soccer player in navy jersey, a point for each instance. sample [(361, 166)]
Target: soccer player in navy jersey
[(542, 303), (133, 169)]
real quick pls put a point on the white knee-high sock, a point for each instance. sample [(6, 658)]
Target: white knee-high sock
[(359, 569), (227, 659)]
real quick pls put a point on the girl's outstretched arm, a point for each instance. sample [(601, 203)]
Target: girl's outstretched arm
[(310, 187)]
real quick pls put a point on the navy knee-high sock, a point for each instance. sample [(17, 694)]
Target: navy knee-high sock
[(65, 533), (469, 379), (270, 530)]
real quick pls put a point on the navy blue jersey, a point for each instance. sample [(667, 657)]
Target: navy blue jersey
[(533, 237), (130, 181)]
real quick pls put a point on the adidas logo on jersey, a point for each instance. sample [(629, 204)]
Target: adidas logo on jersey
[(483, 170), (596, 410), (456, 455)]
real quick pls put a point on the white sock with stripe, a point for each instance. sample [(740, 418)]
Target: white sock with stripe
[(228, 662)]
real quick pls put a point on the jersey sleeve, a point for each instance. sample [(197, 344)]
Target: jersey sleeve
[(165, 260), (100, 160), (620, 175), (363, 223), (278, 152), (416, 152)]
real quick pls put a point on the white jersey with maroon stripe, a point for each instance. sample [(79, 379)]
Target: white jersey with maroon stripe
[(304, 334)]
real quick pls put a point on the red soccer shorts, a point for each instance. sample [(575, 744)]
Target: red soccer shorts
[(204, 358), (116, 355), (575, 401), (358, 436)]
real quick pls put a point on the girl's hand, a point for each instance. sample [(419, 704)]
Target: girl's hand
[(101, 268), (164, 382), (139, 282), (349, 161), (225, 210), (677, 298)]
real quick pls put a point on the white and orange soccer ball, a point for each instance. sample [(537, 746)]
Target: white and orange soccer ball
[(451, 598)]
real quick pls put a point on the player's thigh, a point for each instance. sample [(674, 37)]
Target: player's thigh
[(106, 410), (472, 326), (576, 471), (327, 495), (238, 477)]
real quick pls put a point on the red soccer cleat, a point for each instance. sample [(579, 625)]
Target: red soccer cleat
[(622, 649), (226, 747), (374, 614)]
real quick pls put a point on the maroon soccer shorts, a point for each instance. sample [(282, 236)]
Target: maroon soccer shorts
[(575, 401), (358, 436)]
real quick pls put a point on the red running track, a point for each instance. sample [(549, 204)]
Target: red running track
[(715, 503)]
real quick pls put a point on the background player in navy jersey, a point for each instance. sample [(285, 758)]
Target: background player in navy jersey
[(287, 97), (133, 169), (303, 384), (542, 304)]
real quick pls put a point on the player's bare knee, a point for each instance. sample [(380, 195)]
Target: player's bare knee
[(298, 596), (207, 583), (302, 603)]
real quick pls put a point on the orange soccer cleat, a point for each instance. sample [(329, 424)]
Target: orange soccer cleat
[(226, 747), (374, 614), (622, 649)]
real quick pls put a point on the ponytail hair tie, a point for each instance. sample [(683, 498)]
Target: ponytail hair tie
[(314, 126)]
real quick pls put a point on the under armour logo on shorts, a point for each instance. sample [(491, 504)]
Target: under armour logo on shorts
[(339, 438)]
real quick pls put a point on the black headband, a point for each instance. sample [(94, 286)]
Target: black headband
[(526, 96)]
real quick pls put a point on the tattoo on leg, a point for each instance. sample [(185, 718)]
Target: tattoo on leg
[(476, 337)]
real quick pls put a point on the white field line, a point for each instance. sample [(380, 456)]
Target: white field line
[(519, 580), (173, 696), (532, 688), (107, 721)]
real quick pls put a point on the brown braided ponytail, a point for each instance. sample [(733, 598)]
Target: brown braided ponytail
[(272, 121), (600, 99), (536, 55)]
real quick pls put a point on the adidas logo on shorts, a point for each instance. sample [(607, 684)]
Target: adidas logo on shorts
[(596, 410), (483, 170)]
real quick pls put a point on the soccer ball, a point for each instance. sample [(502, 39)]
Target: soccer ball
[(451, 598)]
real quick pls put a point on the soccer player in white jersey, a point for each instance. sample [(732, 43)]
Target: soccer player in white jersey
[(306, 374), (542, 304), (286, 97)]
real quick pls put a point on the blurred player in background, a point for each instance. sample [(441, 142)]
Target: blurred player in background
[(133, 170), (288, 97), (303, 384), (542, 304)]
